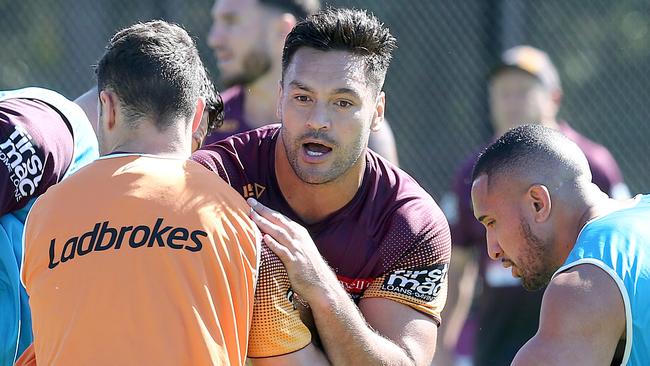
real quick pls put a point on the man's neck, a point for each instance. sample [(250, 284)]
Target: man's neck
[(586, 205), (260, 100), (315, 202), (147, 139)]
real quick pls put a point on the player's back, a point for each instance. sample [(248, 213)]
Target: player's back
[(140, 260)]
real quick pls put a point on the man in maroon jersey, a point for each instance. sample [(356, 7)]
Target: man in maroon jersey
[(373, 282), (523, 88), (247, 37)]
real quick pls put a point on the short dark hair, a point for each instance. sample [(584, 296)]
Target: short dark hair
[(532, 149), (213, 104), (300, 9), (351, 30), (155, 70)]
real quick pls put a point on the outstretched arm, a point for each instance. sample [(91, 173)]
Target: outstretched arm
[(581, 321)]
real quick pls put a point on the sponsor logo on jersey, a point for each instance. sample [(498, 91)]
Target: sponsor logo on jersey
[(355, 285), (25, 167), (423, 283), (104, 237), (253, 190)]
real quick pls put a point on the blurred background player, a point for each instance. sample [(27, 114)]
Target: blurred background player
[(532, 190), (380, 243), (523, 88), (247, 37), (44, 138), (160, 266)]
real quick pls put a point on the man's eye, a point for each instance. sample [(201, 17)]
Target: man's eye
[(344, 103), (302, 98)]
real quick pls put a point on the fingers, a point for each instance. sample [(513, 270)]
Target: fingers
[(280, 250), (269, 214), (277, 232)]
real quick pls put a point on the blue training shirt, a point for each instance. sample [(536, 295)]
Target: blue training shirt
[(619, 243)]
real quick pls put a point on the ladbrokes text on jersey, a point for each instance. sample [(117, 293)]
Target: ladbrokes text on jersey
[(104, 237)]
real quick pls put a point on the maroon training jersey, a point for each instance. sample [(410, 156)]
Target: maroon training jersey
[(391, 240), (35, 149), (234, 121)]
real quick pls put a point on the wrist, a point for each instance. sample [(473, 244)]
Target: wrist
[(327, 296)]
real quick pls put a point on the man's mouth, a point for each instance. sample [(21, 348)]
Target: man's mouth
[(315, 149)]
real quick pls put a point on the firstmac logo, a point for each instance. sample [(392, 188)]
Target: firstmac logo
[(25, 167), (423, 283)]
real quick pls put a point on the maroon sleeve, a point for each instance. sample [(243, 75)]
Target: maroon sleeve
[(416, 251), (36, 149), (209, 157)]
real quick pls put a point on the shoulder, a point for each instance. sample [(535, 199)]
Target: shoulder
[(584, 296), (238, 146), (582, 319), (413, 216)]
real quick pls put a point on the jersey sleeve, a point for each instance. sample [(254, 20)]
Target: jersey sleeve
[(276, 328), (420, 240), (35, 151)]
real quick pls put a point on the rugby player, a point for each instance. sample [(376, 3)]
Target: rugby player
[(524, 87), (545, 219), (247, 37), (156, 264), (44, 138), (372, 283)]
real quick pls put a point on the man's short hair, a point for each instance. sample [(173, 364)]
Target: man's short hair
[(351, 30), (155, 70), (533, 150), (300, 9), (213, 104)]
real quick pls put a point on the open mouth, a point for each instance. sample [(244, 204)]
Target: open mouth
[(315, 149)]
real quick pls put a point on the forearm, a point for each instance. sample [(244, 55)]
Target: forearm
[(347, 338)]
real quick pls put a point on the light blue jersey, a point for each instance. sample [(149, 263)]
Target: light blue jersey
[(15, 317), (619, 243)]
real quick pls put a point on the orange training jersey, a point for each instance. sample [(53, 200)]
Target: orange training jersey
[(141, 260)]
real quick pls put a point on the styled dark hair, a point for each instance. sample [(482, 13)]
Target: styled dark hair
[(350, 30), (155, 70), (533, 150), (300, 9)]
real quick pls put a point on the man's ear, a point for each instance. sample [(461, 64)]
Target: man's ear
[(200, 107), (380, 107), (539, 202), (108, 109)]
